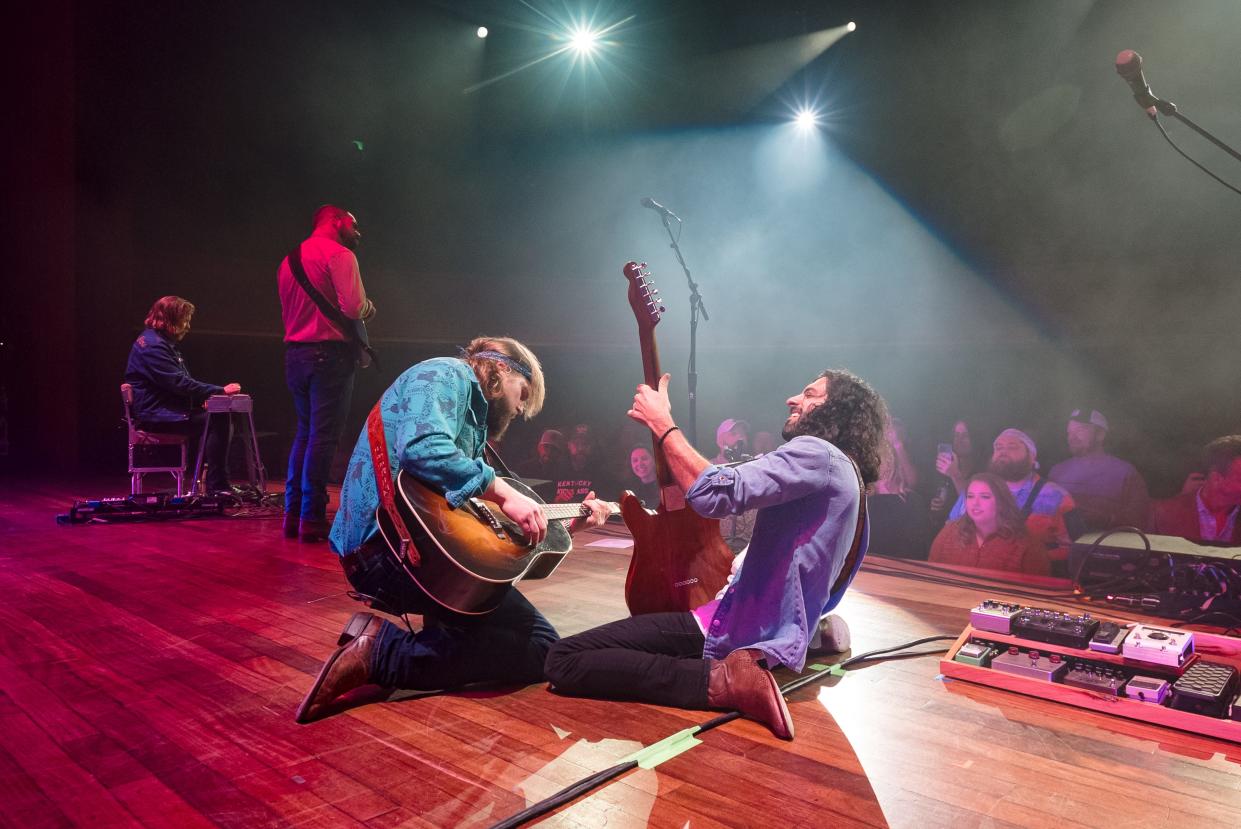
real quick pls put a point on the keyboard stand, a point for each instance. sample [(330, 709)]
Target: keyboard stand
[(232, 404)]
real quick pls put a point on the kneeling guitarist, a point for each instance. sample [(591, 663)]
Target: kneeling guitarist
[(435, 421)]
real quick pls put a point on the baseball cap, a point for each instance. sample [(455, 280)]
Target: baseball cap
[(1092, 416)]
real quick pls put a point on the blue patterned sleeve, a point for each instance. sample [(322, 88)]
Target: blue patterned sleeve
[(430, 406), (798, 468)]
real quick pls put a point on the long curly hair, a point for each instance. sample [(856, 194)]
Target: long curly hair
[(1011, 523), (852, 419)]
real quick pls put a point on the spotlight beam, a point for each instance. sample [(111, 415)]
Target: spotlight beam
[(514, 71)]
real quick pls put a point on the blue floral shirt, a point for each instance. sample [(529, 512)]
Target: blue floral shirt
[(807, 495), (435, 423)]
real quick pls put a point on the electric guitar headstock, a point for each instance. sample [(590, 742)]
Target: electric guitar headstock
[(643, 296)]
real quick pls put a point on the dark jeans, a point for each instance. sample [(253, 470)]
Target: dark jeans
[(656, 657), (320, 378), (215, 453), (507, 645)]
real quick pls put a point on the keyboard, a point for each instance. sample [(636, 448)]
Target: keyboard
[(218, 403)]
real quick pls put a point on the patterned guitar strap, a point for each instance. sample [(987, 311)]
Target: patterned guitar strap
[(386, 484)]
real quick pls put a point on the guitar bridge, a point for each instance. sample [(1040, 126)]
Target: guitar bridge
[(487, 517)]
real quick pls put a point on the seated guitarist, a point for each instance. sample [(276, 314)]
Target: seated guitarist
[(437, 418), (808, 496)]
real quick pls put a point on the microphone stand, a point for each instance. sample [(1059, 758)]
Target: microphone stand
[(1169, 108), (695, 307)]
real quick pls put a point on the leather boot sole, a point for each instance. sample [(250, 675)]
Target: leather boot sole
[(351, 632)]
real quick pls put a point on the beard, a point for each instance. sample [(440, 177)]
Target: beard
[(792, 427), (499, 416), (1012, 470)]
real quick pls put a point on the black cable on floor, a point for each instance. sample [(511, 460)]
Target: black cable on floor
[(586, 784)]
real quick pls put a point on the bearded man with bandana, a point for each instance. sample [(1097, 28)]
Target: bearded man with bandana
[(437, 419)]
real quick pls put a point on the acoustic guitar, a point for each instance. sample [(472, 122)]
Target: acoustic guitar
[(680, 560), (471, 556)]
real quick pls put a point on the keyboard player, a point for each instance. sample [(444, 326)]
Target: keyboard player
[(167, 399)]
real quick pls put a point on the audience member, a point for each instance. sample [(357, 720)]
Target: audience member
[(898, 514), (1043, 503), (1209, 513), (548, 463), (764, 442), (900, 475), (991, 533), (732, 438), (957, 465), (643, 483), (1108, 492), (582, 474)]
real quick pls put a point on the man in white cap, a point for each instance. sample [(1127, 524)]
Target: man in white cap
[(1109, 492), (1014, 458)]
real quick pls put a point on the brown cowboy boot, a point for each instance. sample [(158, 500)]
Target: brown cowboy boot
[(738, 682), (348, 668)]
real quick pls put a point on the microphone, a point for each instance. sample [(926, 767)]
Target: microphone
[(647, 201), (1129, 67)]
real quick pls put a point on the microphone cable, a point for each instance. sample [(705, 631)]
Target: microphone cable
[(1185, 156)]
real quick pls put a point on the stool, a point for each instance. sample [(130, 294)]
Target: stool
[(141, 437), (231, 404)]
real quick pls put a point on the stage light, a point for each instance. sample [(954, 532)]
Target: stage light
[(583, 40), (852, 27), (806, 118), (482, 31)]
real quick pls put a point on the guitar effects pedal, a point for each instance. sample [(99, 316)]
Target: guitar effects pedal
[(1031, 664), (1108, 638), (1205, 688), (1054, 627), (1147, 689), (994, 616), (1159, 646)]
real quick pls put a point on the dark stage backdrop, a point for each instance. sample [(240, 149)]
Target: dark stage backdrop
[(985, 224)]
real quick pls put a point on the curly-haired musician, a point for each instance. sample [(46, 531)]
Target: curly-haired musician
[(809, 494)]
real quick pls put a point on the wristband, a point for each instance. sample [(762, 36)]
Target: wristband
[(664, 436)]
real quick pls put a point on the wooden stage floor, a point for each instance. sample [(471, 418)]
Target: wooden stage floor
[(149, 673)]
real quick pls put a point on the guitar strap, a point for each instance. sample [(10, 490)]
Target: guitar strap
[(851, 560), (1028, 506), (328, 310), (387, 486)]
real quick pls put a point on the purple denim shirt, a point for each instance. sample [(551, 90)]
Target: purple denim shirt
[(807, 496)]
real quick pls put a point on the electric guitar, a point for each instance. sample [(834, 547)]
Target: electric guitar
[(680, 560), (470, 556)]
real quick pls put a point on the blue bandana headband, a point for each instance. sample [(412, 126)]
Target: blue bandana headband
[(516, 365)]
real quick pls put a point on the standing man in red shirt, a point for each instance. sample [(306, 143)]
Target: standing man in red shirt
[(319, 364)]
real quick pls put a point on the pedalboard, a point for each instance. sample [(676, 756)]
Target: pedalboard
[(1054, 627), (1165, 676)]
